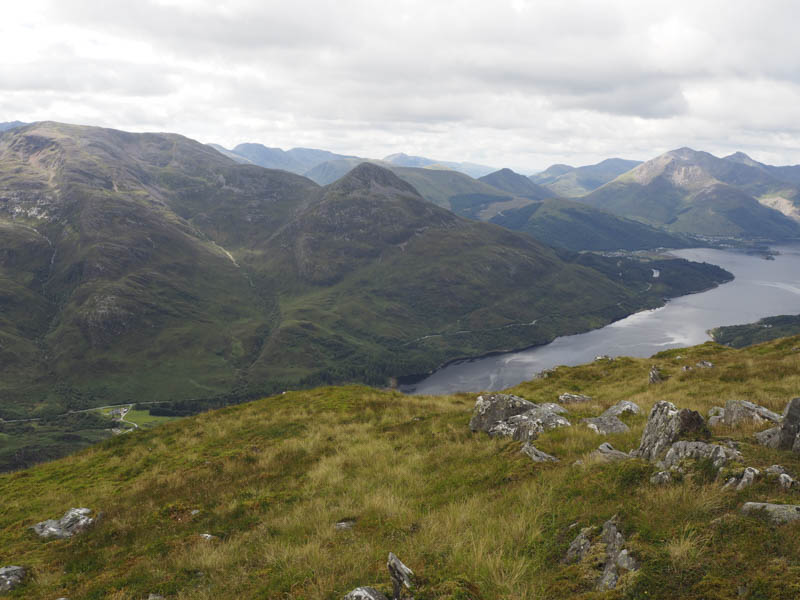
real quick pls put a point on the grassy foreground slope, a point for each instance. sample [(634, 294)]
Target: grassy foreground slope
[(470, 515)]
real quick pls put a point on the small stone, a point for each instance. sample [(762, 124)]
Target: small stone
[(685, 368), (345, 524), (661, 478), (777, 513), (775, 470), (655, 375), (537, 455), (705, 364), (626, 561), (786, 481), (194, 513), (607, 453), (156, 597), (400, 574), (748, 478), (11, 577), (74, 521), (569, 398), (619, 409), (365, 593), (208, 536), (605, 425), (579, 547)]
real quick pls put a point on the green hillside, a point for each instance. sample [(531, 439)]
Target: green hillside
[(517, 185), (472, 516), (764, 330), (575, 226), (573, 182)]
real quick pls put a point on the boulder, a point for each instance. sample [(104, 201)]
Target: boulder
[(716, 416), (74, 521), (622, 407), (569, 398), (365, 593), (536, 455), (10, 578), (492, 408), (607, 453), (738, 412), (655, 375), (529, 425), (400, 574), (786, 481), (661, 478), (775, 470), (552, 407), (665, 425), (615, 555), (605, 425), (777, 513), (785, 436), (682, 450)]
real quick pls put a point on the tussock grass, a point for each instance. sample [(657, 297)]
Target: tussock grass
[(470, 515)]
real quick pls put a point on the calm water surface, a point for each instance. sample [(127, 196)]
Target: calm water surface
[(762, 288)]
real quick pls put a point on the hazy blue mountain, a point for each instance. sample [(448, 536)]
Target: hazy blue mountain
[(11, 125), (572, 182), (468, 168), (516, 184)]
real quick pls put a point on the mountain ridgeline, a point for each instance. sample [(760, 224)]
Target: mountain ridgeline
[(149, 267)]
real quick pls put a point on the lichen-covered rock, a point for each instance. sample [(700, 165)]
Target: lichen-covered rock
[(622, 407), (777, 513), (605, 425), (748, 478), (579, 547), (705, 364), (492, 408), (655, 375), (607, 453), (683, 450), (661, 478), (537, 455), (365, 593), (786, 481), (569, 398), (74, 521), (785, 436), (529, 425), (738, 412), (400, 574), (10, 578), (665, 425), (775, 470), (552, 407), (770, 438)]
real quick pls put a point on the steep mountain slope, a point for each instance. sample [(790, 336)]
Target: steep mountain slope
[(471, 515), (516, 184), (572, 182), (694, 192), (567, 224), (149, 267)]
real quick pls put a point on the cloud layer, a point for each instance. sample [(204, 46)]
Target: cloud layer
[(509, 83)]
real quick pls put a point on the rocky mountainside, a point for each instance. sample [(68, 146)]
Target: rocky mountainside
[(573, 182), (587, 482), (149, 267), (697, 193)]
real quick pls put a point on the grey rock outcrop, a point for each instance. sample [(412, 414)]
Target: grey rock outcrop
[(537, 455), (777, 513), (775, 470), (529, 425), (10, 578), (615, 555), (400, 574), (683, 450), (365, 593), (785, 436), (655, 375), (786, 481), (661, 478), (748, 478), (738, 412), (74, 521), (570, 398), (622, 407), (665, 425), (493, 408), (607, 453), (705, 364), (605, 425), (716, 416)]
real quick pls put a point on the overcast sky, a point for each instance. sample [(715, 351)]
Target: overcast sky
[(507, 83)]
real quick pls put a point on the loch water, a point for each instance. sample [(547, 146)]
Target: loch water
[(761, 288)]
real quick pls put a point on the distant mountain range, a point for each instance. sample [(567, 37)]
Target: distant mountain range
[(11, 125), (686, 191), (572, 182)]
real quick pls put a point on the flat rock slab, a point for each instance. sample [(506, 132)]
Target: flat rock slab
[(738, 412), (777, 513), (607, 453), (619, 409), (606, 425), (537, 455), (569, 398), (74, 521), (11, 577), (717, 454)]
